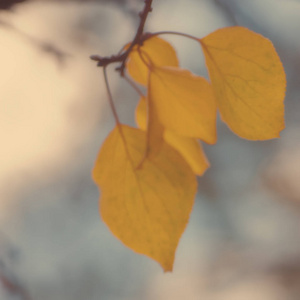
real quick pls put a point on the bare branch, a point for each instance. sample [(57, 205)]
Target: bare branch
[(138, 40)]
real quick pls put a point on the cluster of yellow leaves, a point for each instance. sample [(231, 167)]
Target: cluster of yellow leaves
[(147, 176)]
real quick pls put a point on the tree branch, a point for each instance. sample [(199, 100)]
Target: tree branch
[(138, 40)]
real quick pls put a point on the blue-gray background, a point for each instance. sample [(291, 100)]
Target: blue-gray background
[(243, 239)]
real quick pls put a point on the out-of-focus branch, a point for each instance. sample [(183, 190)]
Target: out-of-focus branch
[(226, 11), (44, 46), (8, 4), (7, 279), (13, 287)]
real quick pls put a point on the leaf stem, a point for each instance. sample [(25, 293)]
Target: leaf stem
[(118, 123), (111, 102), (174, 33), (148, 63), (134, 86)]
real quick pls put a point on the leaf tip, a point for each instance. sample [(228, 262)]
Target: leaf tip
[(167, 266)]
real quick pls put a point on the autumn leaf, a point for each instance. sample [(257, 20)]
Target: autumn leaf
[(147, 208), (248, 80), (190, 149), (183, 103), (155, 130), (159, 51)]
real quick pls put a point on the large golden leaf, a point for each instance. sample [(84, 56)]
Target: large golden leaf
[(248, 80), (147, 208)]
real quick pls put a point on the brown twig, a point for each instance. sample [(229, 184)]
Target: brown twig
[(138, 40)]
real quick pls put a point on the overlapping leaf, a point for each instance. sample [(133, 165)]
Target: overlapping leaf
[(146, 208), (159, 51), (189, 148), (249, 81), (179, 102), (183, 103)]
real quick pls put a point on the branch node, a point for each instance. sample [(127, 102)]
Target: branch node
[(138, 40)]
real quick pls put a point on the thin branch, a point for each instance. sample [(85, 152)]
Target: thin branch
[(138, 40)]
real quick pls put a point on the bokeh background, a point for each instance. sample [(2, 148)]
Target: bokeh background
[(243, 238)]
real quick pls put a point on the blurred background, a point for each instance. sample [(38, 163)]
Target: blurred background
[(243, 239)]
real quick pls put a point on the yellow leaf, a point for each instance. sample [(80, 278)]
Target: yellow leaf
[(189, 148), (183, 103), (141, 114), (155, 131), (160, 52), (249, 81), (148, 208)]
